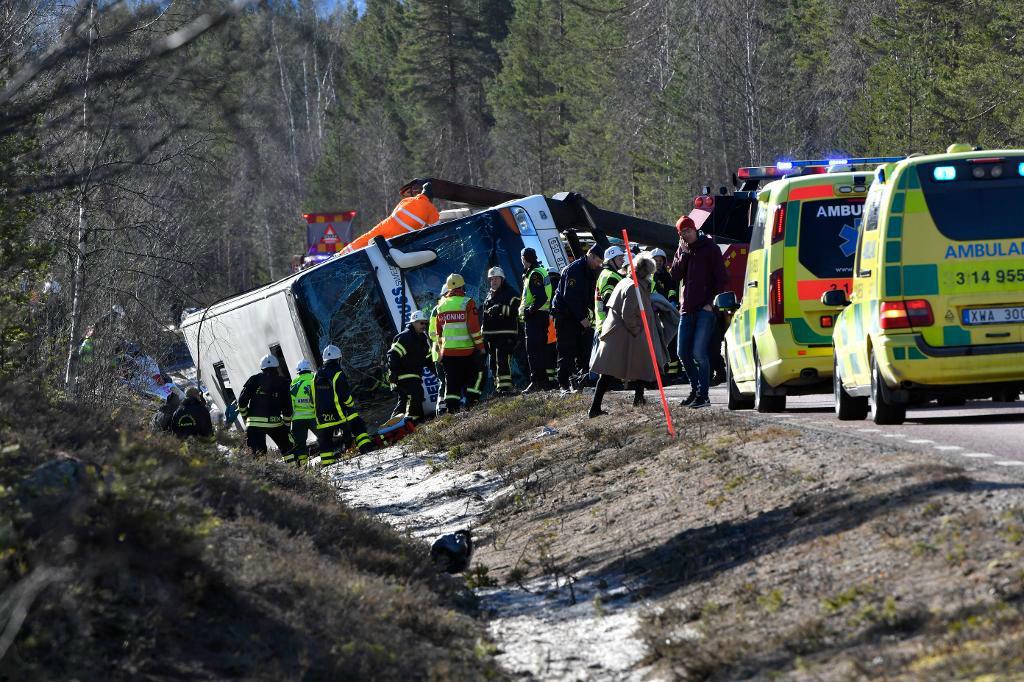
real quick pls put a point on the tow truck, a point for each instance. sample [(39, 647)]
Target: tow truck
[(360, 300)]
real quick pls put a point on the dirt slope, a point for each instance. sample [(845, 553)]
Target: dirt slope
[(749, 550)]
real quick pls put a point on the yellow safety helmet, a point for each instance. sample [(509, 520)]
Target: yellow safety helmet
[(454, 281)]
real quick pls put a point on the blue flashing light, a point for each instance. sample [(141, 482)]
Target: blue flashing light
[(788, 165), (944, 173), (1020, 170), (838, 162)]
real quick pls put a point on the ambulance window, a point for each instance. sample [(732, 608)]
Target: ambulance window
[(828, 236), (757, 238), (871, 206), (975, 201)]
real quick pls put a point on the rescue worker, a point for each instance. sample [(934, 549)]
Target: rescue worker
[(435, 349), (408, 356), (460, 343), (667, 287), (571, 309), (606, 281), (533, 310), (192, 418), (501, 328), (266, 408), (334, 409), (411, 214), (551, 359), (303, 416)]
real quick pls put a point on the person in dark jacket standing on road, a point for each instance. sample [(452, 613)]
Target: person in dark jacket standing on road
[(192, 418), (266, 408), (335, 408), (501, 328), (573, 324), (408, 357), (698, 265), (534, 311)]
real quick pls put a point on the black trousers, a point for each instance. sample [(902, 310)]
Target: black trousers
[(410, 396), (499, 355), (300, 430), (460, 373), (574, 345), (537, 348), (256, 438)]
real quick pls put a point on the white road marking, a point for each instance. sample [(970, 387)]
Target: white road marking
[(894, 435), (1011, 463), (948, 447), (920, 440), (977, 455), (870, 430)]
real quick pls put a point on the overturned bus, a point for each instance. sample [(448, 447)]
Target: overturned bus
[(360, 301)]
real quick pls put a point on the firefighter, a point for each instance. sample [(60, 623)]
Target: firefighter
[(266, 408), (571, 309), (667, 287), (606, 281), (192, 418), (334, 409), (303, 416), (533, 310), (501, 328), (408, 357), (460, 343)]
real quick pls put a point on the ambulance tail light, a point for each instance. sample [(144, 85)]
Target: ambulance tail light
[(775, 298), (915, 312), (779, 224)]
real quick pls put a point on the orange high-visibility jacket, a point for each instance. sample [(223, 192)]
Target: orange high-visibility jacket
[(411, 214)]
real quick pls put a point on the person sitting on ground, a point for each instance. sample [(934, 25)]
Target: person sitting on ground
[(192, 418), (622, 351)]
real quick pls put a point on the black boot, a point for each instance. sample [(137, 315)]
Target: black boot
[(595, 406), (638, 397)]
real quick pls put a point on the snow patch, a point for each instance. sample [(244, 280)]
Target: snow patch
[(539, 632)]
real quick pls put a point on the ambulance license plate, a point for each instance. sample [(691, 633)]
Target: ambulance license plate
[(994, 315)]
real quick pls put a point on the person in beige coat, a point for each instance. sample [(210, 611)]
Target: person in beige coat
[(622, 352)]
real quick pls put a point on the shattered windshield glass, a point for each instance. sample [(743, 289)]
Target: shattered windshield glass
[(469, 247), (341, 303)]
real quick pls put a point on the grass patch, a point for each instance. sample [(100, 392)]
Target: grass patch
[(135, 556)]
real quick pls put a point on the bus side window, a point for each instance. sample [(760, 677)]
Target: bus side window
[(223, 383), (282, 368)]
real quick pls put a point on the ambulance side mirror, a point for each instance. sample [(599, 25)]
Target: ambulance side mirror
[(834, 298), (726, 301)]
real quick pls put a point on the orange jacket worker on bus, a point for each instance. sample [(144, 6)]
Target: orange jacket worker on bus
[(411, 214)]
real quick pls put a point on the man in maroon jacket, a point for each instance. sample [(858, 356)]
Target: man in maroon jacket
[(699, 268)]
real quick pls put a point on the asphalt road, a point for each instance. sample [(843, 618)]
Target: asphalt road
[(981, 433)]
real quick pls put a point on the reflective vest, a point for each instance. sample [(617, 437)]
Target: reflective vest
[(435, 352), (330, 407), (411, 214), (302, 397), (452, 316), (528, 297), (606, 282)]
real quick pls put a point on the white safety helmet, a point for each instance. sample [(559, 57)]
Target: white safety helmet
[(418, 316), (332, 352), (613, 252), (496, 272), (269, 362), (658, 252), (304, 366)]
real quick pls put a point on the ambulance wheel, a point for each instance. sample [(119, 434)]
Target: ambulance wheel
[(765, 403), (883, 411), (848, 408), (737, 401)]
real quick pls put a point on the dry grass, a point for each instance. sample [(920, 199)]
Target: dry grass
[(165, 560)]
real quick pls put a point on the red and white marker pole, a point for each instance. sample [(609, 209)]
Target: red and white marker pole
[(650, 339)]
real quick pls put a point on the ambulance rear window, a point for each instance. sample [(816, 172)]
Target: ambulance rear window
[(972, 200), (828, 236)]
